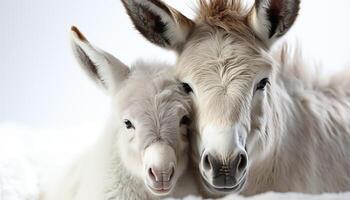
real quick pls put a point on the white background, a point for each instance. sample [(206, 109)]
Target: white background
[(42, 86)]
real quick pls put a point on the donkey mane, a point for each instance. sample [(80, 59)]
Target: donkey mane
[(230, 15), (222, 8), (291, 62)]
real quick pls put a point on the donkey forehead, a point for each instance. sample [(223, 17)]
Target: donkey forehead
[(221, 58), (222, 68), (159, 127), (159, 118), (208, 46), (153, 95), (156, 108)]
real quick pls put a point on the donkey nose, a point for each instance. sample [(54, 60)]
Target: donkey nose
[(161, 176), (225, 173)]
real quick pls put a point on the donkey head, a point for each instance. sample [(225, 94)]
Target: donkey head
[(223, 59), (152, 115)]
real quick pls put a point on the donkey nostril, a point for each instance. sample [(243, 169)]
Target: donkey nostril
[(206, 162), (172, 172), (242, 163), (151, 174)]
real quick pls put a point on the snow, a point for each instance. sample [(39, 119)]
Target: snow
[(28, 155)]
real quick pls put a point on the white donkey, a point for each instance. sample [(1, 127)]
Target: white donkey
[(262, 124), (145, 148)]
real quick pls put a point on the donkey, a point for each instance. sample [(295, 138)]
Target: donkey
[(144, 151), (263, 123)]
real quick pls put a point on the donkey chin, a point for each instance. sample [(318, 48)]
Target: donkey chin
[(226, 188)]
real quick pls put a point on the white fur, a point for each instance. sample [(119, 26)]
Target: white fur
[(296, 130), (117, 167)]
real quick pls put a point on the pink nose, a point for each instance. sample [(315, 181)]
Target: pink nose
[(161, 179)]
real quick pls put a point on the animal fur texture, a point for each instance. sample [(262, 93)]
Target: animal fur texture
[(293, 125), (148, 131)]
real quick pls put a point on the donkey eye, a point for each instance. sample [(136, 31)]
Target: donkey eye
[(187, 88), (185, 120), (128, 124), (262, 84)]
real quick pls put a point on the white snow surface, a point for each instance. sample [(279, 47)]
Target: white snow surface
[(28, 156)]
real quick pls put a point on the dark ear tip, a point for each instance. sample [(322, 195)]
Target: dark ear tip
[(78, 33), (126, 3)]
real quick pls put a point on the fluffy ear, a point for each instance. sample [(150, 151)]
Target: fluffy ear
[(159, 23), (271, 19), (106, 70)]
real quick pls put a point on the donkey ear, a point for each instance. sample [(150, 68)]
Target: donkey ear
[(159, 23), (271, 19), (106, 70)]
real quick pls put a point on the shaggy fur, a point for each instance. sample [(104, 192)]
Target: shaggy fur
[(309, 132), (296, 129), (119, 166), (230, 15)]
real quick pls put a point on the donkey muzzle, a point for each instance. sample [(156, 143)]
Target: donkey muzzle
[(224, 174)]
